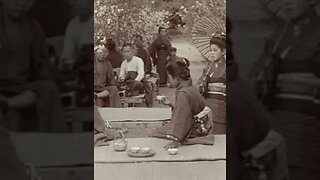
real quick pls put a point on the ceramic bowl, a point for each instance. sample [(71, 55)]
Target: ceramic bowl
[(145, 150), (135, 149), (173, 151)]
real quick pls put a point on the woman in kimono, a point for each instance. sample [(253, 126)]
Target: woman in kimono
[(105, 90), (212, 82), (159, 52), (189, 103)]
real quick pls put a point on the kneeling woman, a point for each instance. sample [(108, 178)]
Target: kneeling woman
[(189, 102)]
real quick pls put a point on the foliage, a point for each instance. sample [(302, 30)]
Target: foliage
[(121, 19)]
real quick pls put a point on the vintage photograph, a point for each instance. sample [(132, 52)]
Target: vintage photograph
[(46, 115), (160, 89)]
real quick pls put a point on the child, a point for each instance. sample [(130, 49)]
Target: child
[(189, 102)]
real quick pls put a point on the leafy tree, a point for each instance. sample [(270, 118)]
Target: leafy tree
[(121, 19)]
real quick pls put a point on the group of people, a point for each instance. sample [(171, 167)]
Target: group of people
[(130, 66), (174, 72)]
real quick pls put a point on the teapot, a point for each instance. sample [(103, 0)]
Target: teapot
[(120, 144)]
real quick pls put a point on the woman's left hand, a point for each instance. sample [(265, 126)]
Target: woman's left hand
[(173, 144)]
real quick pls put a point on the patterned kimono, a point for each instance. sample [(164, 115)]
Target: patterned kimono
[(159, 51), (189, 103), (214, 80)]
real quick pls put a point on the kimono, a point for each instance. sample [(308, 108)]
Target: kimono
[(24, 66), (292, 96), (189, 103), (103, 132), (159, 51), (214, 79), (99, 124), (104, 80)]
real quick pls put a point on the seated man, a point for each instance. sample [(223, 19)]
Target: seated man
[(132, 72), (105, 89), (24, 68)]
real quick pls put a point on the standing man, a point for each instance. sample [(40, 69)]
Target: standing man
[(24, 67), (159, 51), (287, 76), (114, 56), (143, 54)]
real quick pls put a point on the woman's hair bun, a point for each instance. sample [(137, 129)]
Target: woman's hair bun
[(181, 63)]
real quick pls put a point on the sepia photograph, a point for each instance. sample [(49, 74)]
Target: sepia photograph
[(46, 115), (160, 89)]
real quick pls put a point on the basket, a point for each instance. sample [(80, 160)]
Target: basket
[(120, 144), (301, 133)]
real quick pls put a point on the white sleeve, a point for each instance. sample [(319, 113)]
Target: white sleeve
[(122, 71), (140, 65)]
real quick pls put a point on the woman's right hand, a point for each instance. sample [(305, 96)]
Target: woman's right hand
[(166, 102)]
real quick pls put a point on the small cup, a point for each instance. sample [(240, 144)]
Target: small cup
[(135, 149), (160, 99), (145, 150), (173, 151)]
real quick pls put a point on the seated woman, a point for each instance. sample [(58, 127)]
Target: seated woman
[(105, 90), (189, 102)]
